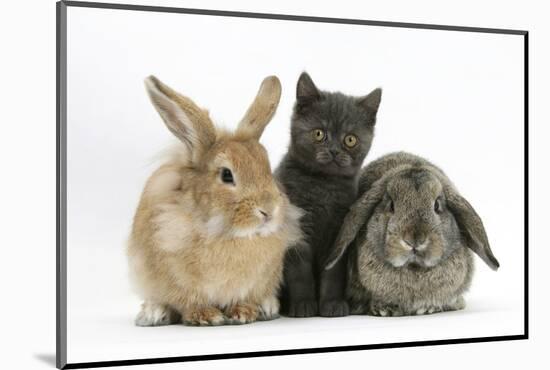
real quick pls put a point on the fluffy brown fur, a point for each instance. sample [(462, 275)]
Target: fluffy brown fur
[(201, 249), (411, 237)]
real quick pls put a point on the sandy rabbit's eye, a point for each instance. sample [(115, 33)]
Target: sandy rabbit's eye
[(350, 141), (318, 135), (437, 205), (227, 176)]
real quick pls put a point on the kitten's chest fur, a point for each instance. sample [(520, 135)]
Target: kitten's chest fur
[(325, 199)]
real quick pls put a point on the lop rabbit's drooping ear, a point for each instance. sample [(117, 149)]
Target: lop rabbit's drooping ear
[(261, 110), (357, 216), (183, 117), (471, 227)]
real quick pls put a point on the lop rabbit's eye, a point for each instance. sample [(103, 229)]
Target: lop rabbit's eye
[(318, 135), (437, 205), (350, 141), (227, 176)]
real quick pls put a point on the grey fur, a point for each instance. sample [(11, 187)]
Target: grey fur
[(321, 178), (411, 235)]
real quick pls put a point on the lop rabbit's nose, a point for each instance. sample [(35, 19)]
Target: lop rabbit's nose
[(408, 245), (409, 242), (414, 246), (420, 246)]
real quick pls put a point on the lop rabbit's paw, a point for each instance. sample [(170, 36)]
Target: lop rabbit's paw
[(385, 309), (426, 310), (457, 304)]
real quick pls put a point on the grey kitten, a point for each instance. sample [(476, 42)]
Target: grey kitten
[(331, 133)]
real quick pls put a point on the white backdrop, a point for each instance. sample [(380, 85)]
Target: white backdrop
[(27, 156), (454, 97)]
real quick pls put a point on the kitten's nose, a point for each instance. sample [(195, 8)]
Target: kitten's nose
[(334, 152)]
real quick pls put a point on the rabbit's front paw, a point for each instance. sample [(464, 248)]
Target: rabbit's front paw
[(242, 313), (334, 308), (385, 309), (269, 309), (153, 314), (303, 308), (203, 316), (426, 310), (358, 308), (457, 304)]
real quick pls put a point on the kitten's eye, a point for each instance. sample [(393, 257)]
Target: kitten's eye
[(227, 176), (318, 135), (437, 205), (391, 207), (350, 141)]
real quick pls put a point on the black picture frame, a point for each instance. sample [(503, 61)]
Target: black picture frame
[(61, 186)]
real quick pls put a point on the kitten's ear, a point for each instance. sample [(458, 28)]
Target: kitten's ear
[(371, 102), (306, 91)]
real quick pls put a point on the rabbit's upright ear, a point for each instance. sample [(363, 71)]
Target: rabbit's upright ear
[(358, 215), (184, 119), (261, 110), (471, 228)]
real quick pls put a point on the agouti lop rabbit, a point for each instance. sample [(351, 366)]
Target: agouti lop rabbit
[(411, 237)]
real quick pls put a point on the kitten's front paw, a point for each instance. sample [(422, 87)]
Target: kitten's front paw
[(304, 308), (203, 316), (153, 314), (242, 313), (269, 309), (334, 308)]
